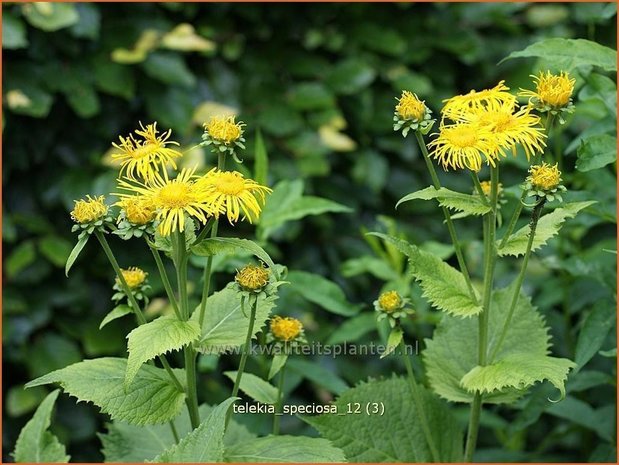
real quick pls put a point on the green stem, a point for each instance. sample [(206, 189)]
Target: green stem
[(180, 262), (513, 220), (280, 397), (134, 304), (208, 268), (246, 350), (165, 279), (537, 210), (174, 432), (484, 316), (478, 188), (205, 230), (448, 220), (419, 405)]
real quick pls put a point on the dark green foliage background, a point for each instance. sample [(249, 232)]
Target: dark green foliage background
[(288, 69)]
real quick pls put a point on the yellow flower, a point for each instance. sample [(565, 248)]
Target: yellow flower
[(390, 301), (486, 187), (139, 209), (554, 90), (145, 157), (285, 329), (134, 277), (511, 127), (173, 198), (544, 177), (252, 278), (410, 107), (89, 209), (231, 193), (474, 100), (462, 146), (224, 129)]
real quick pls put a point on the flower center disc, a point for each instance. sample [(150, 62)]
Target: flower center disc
[(462, 137), (230, 184), (175, 195)]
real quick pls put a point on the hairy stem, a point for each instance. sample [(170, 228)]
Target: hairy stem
[(537, 210), (484, 316), (448, 220), (419, 405), (280, 397)]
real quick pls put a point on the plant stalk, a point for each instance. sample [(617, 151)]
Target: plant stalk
[(535, 215), (280, 397), (165, 280), (448, 220), (419, 405), (513, 220)]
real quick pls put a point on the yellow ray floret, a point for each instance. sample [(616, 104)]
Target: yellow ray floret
[(173, 198), (139, 209), (145, 153), (390, 301), (89, 209), (252, 278), (224, 129), (285, 329), (231, 193), (544, 177), (410, 107), (511, 127), (134, 277), (554, 90), (464, 145), (493, 98)]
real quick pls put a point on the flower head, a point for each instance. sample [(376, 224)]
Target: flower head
[(410, 107), (224, 129), (510, 127), (134, 277), (545, 177), (390, 301), (172, 198), (484, 99), (486, 187), (252, 278), (145, 153), (286, 329), (553, 91), (463, 145), (231, 193), (89, 210), (138, 209)]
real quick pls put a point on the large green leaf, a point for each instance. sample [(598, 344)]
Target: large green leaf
[(129, 443), (215, 245), (162, 335), (204, 444), (13, 31), (152, 398), (284, 449), (323, 292), (596, 151), (115, 313), (594, 331), (258, 389), (547, 227), (567, 54), (394, 436), (452, 352), (225, 326), (35, 443), (520, 371), (465, 203), (317, 374), (50, 16)]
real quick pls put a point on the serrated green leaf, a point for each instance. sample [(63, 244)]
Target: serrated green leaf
[(547, 227), (215, 245), (596, 152), (204, 444), (323, 292), (284, 449), (567, 54), (443, 285), (225, 326), (261, 160), (117, 312), (35, 443), (452, 352), (75, 253), (151, 399), (256, 388), (519, 371), (465, 203), (157, 337), (394, 436), (130, 443), (278, 362)]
